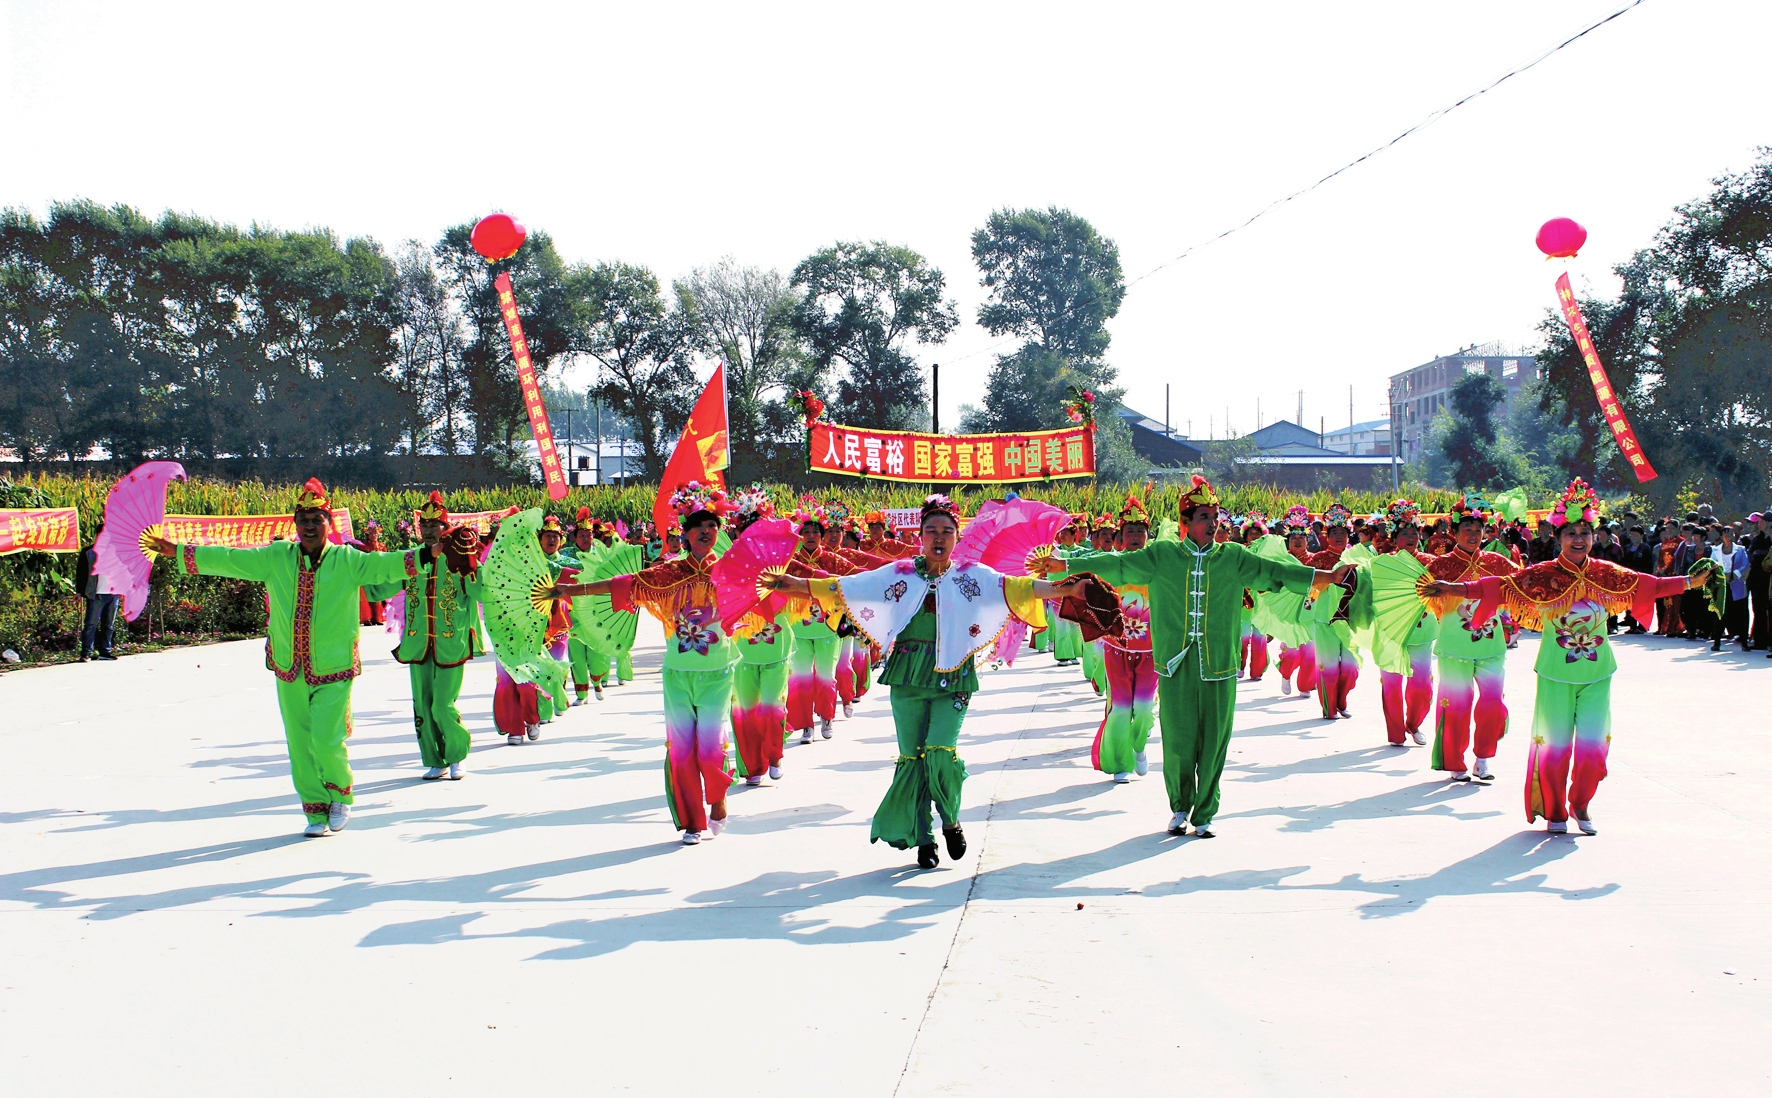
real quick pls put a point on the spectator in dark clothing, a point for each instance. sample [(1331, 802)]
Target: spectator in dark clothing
[(1759, 579), (1544, 546), (1695, 613), (98, 633), (1638, 556)]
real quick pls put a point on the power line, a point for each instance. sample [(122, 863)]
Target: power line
[(1416, 128), (1301, 192)]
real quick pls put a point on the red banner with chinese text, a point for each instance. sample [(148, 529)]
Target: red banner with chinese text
[(45, 529), (1596, 373), (952, 459), (243, 531), (532, 402)]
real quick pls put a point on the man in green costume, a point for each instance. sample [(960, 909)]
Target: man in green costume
[(1196, 607), (311, 646), (442, 634)]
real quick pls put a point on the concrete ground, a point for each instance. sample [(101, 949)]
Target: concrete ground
[(1359, 926)]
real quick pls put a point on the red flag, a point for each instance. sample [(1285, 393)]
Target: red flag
[(702, 451), (1610, 406)]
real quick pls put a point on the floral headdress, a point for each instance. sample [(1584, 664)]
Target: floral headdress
[(1402, 512), (1133, 511), (550, 524), (1577, 504), (433, 508), (938, 504), (1257, 518), (1336, 515), (1105, 521), (693, 498), (810, 510), (873, 517), (1081, 407), (1298, 517), (312, 497), (1200, 493), (1472, 505), (752, 503)]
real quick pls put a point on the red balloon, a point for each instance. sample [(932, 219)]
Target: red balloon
[(498, 236), (1561, 238)]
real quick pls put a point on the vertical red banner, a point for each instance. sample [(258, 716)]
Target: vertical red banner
[(1596, 373), (532, 402)]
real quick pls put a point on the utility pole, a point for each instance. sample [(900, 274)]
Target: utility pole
[(597, 403), (1350, 419), (571, 474), (1300, 419), (1166, 432), (1258, 413), (1396, 474), (935, 397)]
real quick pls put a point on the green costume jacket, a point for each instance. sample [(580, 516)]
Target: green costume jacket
[(442, 618), (1196, 596), (314, 611)]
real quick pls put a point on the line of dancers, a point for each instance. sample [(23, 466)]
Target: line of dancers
[(1198, 600)]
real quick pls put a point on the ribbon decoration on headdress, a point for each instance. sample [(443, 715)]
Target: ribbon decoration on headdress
[(1337, 515), (1133, 511), (433, 508), (1401, 513), (1200, 493)]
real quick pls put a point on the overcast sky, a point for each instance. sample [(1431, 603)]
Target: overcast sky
[(671, 135)]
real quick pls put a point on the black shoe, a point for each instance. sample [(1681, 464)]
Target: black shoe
[(106, 656), (84, 656), (956, 840), (927, 858), (1716, 645)]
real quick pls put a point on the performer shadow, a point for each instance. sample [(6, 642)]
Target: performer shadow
[(1431, 798), (1362, 760), (1509, 866)]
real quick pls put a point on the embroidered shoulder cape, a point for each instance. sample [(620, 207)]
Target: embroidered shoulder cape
[(973, 604)]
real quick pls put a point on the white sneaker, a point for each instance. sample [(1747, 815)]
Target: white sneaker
[(514, 738), (1304, 693), (1285, 686), (1587, 827), (597, 689), (1122, 778), (314, 831), (1141, 764), (848, 709), (825, 729), (1482, 772), (1344, 714), (581, 699), (806, 735), (1204, 831), (533, 731), (1460, 775), (1178, 824), (690, 838), (456, 773), (338, 815), (754, 779), (775, 773), (1556, 827), (1420, 739), (435, 772), (715, 827)]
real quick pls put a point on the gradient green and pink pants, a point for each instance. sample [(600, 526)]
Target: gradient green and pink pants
[(695, 707), (1470, 701), (1407, 700), (1132, 694), (1571, 732)]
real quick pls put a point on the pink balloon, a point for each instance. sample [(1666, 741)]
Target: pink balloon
[(498, 236), (1561, 237)]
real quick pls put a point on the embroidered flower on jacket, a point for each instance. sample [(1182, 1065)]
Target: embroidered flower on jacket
[(897, 591), (968, 586), (691, 634), (1466, 609)]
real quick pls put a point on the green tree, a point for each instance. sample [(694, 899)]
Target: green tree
[(1053, 280), (1688, 348), (642, 339), (1468, 439), (862, 304), (745, 315)]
